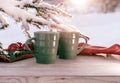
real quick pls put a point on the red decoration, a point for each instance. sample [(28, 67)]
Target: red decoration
[(17, 47), (91, 49)]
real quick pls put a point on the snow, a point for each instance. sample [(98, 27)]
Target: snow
[(103, 29)]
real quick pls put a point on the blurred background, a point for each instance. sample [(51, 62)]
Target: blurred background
[(87, 6), (98, 19)]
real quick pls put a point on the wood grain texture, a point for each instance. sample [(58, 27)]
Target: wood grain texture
[(59, 79), (81, 66)]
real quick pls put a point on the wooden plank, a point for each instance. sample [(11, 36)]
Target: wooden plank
[(81, 66), (58, 79)]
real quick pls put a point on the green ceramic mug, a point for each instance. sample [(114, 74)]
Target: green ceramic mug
[(68, 44), (45, 46)]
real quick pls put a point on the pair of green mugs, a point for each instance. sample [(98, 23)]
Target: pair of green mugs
[(48, 44)]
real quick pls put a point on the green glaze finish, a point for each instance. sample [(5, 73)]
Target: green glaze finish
[(45, 46), (68, 44)]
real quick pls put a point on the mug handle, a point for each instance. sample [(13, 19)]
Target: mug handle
[(83, 46), (26, 43)]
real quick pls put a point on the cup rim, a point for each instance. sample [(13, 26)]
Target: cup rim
[(45, 32)]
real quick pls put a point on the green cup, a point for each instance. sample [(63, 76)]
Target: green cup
[(45, 46), (68, 44)]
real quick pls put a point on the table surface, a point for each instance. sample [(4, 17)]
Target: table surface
[(81, 66)]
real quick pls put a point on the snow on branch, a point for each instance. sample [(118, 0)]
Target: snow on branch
[(3, 22), (53, 8), (46, 14)]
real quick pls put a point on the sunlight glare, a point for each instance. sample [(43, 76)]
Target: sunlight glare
[(79, 4)]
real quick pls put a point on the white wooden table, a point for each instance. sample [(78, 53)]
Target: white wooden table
[(83, 69)]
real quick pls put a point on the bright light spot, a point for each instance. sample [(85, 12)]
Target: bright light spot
[(79, 4)]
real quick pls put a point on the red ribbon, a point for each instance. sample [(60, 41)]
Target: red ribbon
[(91, 49)]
